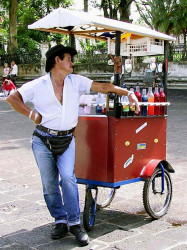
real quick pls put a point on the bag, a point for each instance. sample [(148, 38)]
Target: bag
[(57, 145)]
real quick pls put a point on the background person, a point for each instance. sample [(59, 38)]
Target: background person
[(149, 79), (8, 87), (6, 71), (55, 97), (13, 71)]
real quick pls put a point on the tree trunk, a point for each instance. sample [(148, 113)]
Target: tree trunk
[(13, 24), (85, 5), (125, 13), (184, 55)]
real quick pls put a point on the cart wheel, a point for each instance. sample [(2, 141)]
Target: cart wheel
[(104, 197), (157, 193), (89, 211)]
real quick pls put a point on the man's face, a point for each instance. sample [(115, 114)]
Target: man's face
[(66, 64)]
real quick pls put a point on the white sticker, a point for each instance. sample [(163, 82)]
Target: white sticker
[(141, 127), (129, 161)]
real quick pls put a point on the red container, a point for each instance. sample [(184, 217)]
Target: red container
[(111, 150)]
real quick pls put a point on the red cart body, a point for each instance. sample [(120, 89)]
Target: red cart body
[(111, 150)]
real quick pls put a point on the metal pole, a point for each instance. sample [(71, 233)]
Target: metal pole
[(165, 66), (72, 41), (117, 52), (117, 69)]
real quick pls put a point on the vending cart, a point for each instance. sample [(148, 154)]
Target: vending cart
[(113, 149)]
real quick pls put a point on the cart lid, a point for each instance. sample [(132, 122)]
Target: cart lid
[(83, 24)]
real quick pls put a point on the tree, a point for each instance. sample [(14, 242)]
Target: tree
[(117, 9), (167, 16), (24, 12), (13, 24)]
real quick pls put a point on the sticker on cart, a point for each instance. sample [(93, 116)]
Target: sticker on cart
[(141, 146), (141, 127), (129, 161)]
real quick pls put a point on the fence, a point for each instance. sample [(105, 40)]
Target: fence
[(21, 58), (87, 57)]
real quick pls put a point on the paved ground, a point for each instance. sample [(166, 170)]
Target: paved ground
[(24, 219)]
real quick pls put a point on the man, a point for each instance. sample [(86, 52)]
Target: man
[(13, 71), (56, 100)]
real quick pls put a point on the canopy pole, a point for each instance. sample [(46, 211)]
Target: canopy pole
[(117, 52), (165, 66), (117, 73), (72, 41)]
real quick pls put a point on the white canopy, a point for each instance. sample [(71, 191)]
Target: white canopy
[(84, 24)]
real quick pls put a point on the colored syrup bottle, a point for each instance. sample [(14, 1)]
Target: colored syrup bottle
[(125, 104), (138, 95), (150, 97), (162, 99), (144, 99), (156, 99), (132, 110)]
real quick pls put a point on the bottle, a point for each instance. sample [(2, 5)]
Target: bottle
[(87, 107), (98, 104), (93, 105), (125, 103), (119, 108), (144, 99), (162, 99), (156, 99), (150, 97), (138, 95), (132, 110)]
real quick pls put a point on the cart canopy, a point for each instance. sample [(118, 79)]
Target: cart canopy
[(84, 24)]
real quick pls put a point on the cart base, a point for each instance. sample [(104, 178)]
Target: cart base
[(108, 184)]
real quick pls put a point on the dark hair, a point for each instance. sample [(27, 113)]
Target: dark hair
[(51, 62), (58, 50)]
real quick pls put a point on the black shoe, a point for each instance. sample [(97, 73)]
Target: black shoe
[(80, 235), (59, 231)]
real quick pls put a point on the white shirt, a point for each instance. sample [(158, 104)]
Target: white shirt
[(54, 114), (14, 70)]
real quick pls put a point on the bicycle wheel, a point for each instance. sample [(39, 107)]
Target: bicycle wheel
[(89, 211), (157, 194), (104, 196)]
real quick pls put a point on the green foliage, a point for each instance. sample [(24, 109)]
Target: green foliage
[(30, 11), (91, 46), (167, 16)]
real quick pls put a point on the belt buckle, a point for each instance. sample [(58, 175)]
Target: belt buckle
[(53, 132)]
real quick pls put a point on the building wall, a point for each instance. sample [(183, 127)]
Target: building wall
[(176, 69)]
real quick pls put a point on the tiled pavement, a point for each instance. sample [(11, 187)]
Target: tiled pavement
[(26, 224)]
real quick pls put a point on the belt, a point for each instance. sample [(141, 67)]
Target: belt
[(54, 132)]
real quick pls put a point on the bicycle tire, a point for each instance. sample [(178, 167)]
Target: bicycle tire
[(104, 197), (89, 213), (155, 202)]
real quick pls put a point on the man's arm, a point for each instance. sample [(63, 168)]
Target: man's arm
[(16, 102), (106, 88)]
